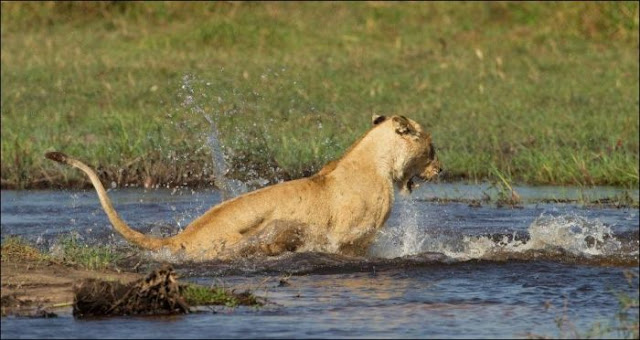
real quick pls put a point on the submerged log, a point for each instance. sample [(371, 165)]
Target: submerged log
[(157, 293)]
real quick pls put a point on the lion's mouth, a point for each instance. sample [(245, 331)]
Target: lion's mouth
[(415, 181), (409, 186), (411, 183)]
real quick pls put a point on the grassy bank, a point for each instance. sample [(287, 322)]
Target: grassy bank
[(540, 93), (36, 283)]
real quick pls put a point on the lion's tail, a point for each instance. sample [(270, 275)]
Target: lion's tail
[(126, 231)]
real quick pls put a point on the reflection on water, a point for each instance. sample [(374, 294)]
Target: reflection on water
[(436, 270), (465, 300)]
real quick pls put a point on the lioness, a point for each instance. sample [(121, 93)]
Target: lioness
[(339, 209)]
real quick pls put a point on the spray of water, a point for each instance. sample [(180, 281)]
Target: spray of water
[(228, 187), (572, 234), (407, 238), (569, 233), (243, 118), (411, 240)]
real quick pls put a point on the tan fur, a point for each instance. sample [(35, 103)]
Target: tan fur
[(339, 209)]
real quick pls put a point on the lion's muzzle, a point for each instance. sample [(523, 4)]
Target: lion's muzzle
[(431, 171)]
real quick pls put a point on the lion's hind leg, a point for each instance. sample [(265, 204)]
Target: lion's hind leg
[(275, 238)]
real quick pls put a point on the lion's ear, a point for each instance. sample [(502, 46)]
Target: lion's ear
[(377, 119), (402, 126)]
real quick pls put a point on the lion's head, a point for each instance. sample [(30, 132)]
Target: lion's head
[(414, 154)]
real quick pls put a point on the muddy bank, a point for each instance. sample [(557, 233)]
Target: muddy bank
[(36, 285), (30, 286), (158, 293)]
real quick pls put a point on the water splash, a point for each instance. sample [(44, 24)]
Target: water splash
[(165, 255), (573, 233), (411, 240), (228, 187), (244, 116), (408, 238), (570, 234)]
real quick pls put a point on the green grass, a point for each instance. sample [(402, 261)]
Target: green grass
[(73, 251), (542, 93), (69, 250), (16, 248), (197, 295)]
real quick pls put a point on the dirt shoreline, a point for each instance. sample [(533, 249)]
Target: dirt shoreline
[(37, 287)]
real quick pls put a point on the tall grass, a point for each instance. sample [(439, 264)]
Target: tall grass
[(546, 93)]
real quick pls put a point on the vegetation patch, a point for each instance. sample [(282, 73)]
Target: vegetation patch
[(507, 196), (157, 293), (71, 250), (15, 248), (104, 295), (201, 296), (547, 93)]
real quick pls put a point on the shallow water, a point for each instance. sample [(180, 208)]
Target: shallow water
[(436, 270)]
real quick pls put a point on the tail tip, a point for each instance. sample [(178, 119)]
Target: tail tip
[(56, 156)]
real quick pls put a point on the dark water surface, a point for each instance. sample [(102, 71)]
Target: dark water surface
[(436, 270)]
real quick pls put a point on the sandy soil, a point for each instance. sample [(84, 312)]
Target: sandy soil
[(31, 287)]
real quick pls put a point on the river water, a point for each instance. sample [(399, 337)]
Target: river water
[(436, 270)]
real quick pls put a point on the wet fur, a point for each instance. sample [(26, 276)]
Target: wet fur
[(339, 209)]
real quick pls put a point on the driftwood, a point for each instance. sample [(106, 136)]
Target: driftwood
[(158, 293)]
